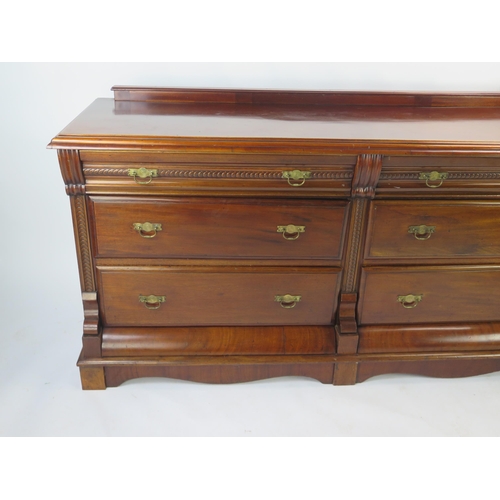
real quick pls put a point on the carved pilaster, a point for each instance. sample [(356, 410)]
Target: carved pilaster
[(82, 239), (364, 182), (356, 233), (72, 172)]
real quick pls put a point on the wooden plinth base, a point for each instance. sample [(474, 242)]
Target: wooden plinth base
[(99, 373)]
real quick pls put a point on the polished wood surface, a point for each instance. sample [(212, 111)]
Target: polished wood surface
[(466, 177), (209, 296), (472, 120), (441, 368), (225, 374), (219, 180), (481, 336), (224, 228), (304, 97), (218, 340), (466, 293), (373, 298), (460, 229)]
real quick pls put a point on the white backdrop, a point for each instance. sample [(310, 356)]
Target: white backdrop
[(40, 307)]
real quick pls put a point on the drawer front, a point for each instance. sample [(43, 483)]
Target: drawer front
[(206, 296), (219, 228), (438, 177), (293, 180), (429, 294), (425, 230)]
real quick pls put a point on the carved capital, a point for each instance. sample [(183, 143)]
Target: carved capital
[(71, 168), (366, 175)]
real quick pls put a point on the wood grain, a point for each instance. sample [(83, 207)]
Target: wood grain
[(223, 341), (363, 128), (92, 378), (214, 180), (304, 97), (211, 296), (462, 229), (223, 228), (448, 337), (220, 194), (457, 293), (441, 368), (224, 374)]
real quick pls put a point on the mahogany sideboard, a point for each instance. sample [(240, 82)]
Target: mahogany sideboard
[(233, 235)]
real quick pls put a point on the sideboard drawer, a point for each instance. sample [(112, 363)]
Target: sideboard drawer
[(255, 179), (209, 296), (420, 230), (219, 228), (429, 294), (417, 176)]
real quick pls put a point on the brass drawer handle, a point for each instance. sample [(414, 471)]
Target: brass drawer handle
[(409, 301), (147, 227), (143, 173), (291, 232), (287, 301), (152, 301), (422, 232), (433, 176), (298, 176)]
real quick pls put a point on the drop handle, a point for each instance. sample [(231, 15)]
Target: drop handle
[(410, 301), (296, 178), (146, 228), (143, 173), (433, 177), (152, 301), (287, 301), (291, 232), (422, 232)]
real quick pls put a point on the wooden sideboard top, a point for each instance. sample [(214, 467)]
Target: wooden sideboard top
[(271, 120)]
